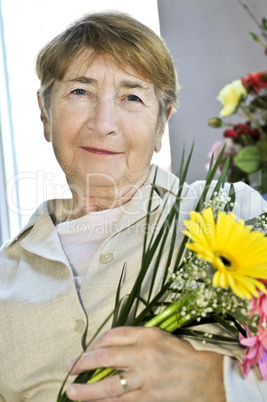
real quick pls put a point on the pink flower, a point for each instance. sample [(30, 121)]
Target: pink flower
[(231, 150), (259, 305), (256, 352)]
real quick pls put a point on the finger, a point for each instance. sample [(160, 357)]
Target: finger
[(108, 388), (116, 336), (117, 357)]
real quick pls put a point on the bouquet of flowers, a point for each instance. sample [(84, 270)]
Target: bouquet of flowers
[(246, 138), (219, 276)]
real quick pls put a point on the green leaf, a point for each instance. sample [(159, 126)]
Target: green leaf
[(248, 159), (262, 144), (184, 170), (143, 315), (264, 23), (149, 211), (260, 102), (221, 180), (237, 174), (210, 176), (252, 221), (226, 325), (263, 187), (254, 36), (190, 333), (118, 298), (231, 194)]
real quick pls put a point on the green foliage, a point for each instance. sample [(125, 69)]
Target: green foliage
[(260, 102), (248, 159), (263, 151)]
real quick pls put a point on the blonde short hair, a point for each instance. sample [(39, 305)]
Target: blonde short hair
[(121, 38)]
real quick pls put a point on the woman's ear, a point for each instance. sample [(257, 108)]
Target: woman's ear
[(158, 144), (44, 118), (169, 113)]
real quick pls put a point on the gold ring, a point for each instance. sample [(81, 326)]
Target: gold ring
[(124, 383)]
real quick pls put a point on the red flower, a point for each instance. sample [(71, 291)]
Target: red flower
[(255, 81), (255, 135), (242, 128), (230, 133)]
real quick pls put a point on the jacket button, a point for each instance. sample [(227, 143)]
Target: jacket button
[(79, 325), (106, 257)]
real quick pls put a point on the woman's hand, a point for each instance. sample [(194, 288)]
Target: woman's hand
[(156, 366)]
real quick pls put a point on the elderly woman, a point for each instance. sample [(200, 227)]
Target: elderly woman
[(108, 87)]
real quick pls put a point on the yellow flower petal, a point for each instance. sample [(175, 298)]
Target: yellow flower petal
[(238, 254), (249, 284), (230, 97)]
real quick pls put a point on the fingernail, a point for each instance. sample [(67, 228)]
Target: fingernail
[(71, 391)]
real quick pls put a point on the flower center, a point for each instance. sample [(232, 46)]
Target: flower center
[(225, 261), (228, 261)]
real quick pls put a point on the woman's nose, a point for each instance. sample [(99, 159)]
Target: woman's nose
[(104, 119)]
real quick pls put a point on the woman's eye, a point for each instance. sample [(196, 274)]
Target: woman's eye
[(79, 91), (133, 98)]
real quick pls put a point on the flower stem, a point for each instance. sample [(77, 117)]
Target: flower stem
[(173, 310), (254, 121), (164, 315), (102, 373)]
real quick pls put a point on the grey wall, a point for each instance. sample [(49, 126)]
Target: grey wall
[(211, 45)]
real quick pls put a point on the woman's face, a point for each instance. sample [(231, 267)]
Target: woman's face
[(103, 124)]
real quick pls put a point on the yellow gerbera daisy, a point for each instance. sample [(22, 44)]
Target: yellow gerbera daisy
[(238, 254)]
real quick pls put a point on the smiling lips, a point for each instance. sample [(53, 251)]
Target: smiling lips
[(99, 151)]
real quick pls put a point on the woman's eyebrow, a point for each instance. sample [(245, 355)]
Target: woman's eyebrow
[(83, 80), (129, 84), (133, 84)]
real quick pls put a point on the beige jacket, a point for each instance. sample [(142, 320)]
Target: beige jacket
[(42, 319)]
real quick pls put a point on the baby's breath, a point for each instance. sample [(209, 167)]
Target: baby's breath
[(261, 223), (219, 201), (197, 274)]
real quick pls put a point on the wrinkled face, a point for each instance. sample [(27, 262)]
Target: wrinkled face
[(103, 123)]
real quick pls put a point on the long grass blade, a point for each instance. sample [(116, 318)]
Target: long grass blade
[(210, 176), (221, 180), (229, 206), (118, 298), (148, 213)]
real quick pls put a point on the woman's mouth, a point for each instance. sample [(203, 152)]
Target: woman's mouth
[(100, 151)]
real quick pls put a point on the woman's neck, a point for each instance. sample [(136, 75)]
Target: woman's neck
[(100, 198)]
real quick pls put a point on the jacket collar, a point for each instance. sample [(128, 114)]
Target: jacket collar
[(39, 234), (42, 224)]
